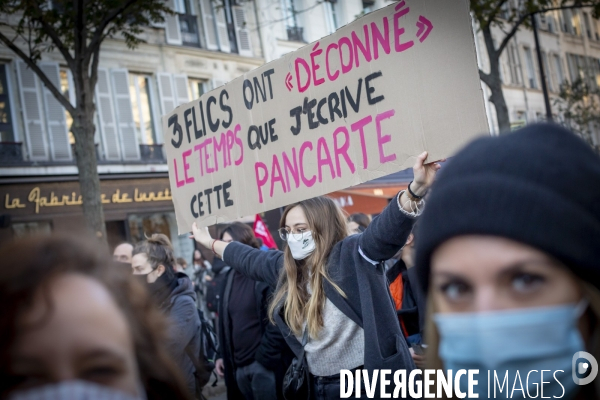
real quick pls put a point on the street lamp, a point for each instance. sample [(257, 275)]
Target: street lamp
[(541, 65)]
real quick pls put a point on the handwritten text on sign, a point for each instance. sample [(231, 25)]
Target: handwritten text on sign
[(354, 106)]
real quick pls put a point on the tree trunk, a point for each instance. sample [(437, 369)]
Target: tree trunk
[(497, 99), (87, 163), (494, 81)]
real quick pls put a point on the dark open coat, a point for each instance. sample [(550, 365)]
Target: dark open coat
[(273, 352), (362, 279), (183, 328)]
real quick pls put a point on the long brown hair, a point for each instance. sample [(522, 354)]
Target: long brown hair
[(30, 264), (328, 226)]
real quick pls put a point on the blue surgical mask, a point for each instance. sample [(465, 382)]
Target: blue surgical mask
[(75, 390), (515, 341)]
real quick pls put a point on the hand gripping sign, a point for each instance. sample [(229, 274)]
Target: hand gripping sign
[(354, 106)]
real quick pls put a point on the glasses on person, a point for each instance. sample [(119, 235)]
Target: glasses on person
[(285, 233)]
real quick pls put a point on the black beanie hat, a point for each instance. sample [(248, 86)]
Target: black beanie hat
[(539, 186)]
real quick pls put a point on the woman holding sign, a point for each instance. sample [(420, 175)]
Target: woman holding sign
[(330, 288)]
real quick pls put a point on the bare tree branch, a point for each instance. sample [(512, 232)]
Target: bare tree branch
[(34, 67), (94, 69), (97, 38), (495, 12), (51, 32), (522, 19), (484, 77)]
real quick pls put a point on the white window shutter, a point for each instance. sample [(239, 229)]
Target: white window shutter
[(172, 28), (35, 132), (222, 31), (106, 117), (127, 131), (166, 92), (241, 31), (208, 24), (58, 133), (180, 84)]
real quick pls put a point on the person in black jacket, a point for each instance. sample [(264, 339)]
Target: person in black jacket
[(253, 355), (408, 298), (331, 286), (152, 263)]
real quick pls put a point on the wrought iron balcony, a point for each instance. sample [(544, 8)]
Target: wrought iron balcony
[(295, 33), (11, 153), (152, 153)]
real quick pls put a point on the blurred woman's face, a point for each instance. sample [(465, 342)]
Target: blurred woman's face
[(141, 266), (227, 238), (353, 228), (486, 273), (75, 331), (197, 255)]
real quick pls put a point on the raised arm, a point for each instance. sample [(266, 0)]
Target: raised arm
[(390, 229), (257, 264)]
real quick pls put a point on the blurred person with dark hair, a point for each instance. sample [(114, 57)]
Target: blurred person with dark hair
[(71, 324), (123, 253), (509, 246), (173, 292), (200, 272), (358, 222), (253, 353), (408, 297), (180, 265)]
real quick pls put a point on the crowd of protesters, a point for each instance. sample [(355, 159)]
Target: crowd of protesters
[(502, 274)]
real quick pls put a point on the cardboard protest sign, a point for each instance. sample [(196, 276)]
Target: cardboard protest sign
[(354, 106)]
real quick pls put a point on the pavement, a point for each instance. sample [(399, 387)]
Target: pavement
[(218, 392), (222, 396)]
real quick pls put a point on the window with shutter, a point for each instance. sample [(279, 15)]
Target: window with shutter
[(165, 92), (7, 129), (241, 31), (66, 88), (60, 148), (106, 117), (180, 84), (35, 131), (125, 123), (222, 31), (172, 27), (208, 24), (197, 87), (143, 113)]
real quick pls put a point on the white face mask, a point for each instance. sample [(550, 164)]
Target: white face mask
[(301, 248)]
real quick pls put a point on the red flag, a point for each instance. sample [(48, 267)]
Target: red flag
[(261, 231)]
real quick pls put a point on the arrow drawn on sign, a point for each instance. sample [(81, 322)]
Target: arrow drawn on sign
[(425, 28), (288, 81)]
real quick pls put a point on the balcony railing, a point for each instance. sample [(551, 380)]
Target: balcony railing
[(11, 153), (295, 33), (152, 153), (189, 30)]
